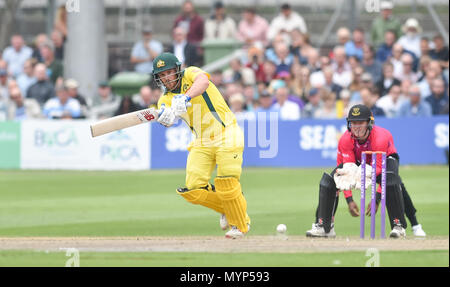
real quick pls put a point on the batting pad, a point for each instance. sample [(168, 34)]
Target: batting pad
[(203, 197), (234, 204)]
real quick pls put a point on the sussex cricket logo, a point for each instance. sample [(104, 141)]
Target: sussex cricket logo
[(160, 64), (356, 112)]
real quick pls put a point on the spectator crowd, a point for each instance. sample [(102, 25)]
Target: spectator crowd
[(393, 68)]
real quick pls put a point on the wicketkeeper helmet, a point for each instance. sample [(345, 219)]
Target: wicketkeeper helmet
[(360, 113)]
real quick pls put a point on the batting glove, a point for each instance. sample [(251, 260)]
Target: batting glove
[(167, 117), (180, 103)]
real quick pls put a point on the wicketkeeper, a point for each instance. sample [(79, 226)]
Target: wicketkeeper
[(191, 96), (362, 135)]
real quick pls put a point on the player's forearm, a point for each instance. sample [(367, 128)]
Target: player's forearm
[(199, 86)]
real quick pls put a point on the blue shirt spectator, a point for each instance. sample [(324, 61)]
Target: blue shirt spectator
[(26, 78), (145, 51), (62, 106), (415, 107), (16, 55), (355, 47)]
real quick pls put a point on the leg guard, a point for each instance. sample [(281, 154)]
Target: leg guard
[(206, 196), (234, 204), (328, 194), (410, 210), (394, 197)]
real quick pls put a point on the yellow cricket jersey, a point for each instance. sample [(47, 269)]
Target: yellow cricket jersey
[(209, 114)]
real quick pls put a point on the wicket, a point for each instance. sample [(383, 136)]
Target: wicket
[(373, 195)]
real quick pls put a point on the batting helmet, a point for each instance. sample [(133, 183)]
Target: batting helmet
[(164, 62)]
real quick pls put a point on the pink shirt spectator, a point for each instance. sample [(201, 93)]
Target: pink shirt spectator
[(254, 31)]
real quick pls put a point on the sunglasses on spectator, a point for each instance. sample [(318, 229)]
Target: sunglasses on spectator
[(407, 63), (414, 94)]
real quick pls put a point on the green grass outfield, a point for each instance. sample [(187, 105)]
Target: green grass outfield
[(144, 203)]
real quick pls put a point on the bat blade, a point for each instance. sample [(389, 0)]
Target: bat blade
[(124, 121)]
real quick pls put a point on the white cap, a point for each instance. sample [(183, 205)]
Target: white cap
[(386, 5)]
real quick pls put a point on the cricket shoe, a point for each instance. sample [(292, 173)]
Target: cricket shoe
[(224, 225), (235, 233), (319, 231), (397, 232), (418, 231), (223, 222)]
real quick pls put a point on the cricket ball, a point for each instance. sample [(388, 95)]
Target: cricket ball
[(281, 228)]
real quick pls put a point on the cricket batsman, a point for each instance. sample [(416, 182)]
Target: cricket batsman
[(361, 135), (190, 96)]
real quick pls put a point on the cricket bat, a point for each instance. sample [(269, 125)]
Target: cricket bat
[(124, 121)]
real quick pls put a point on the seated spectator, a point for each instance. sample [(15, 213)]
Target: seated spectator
[(55, 67), (191, 22), (26, 78), (369, 98), (370, 65), (126, 106), (231, 89), (438, 99), (185, 52), (288, 110), (424, 65), (284, 58), (329, 84), (237, 106), (355, 46), (354, 62), (436, 66), (145, 99), (384, 52), (328, 109), (270, 70), (16, 55), (396, 60), (105, 103), (300, 46), (357, 83), (410, 41), (300, 84), (392, 101), (145, 51), (415, 106), (407, 69), (250, 97), (256, 63), (314, 60), (239, 73), (427, 82), (265, 104), (343, 36), (270, 52), (343, 105), (387, 80), (342, 72), (4, 79), (440, 51), (252, 29), (219, 25), (20, 108), (43, 89), (424, 47), (314, 103), (58, 42), (71, 86), (383, 23), (62, 106), (285, 22), (40, 40)]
